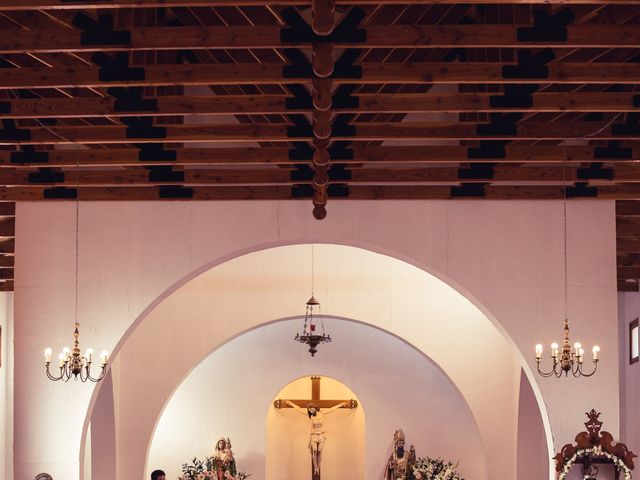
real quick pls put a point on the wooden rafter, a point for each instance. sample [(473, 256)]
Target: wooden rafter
[(262, 74), (222, 132), (367, 103), (267, 36), (516, 154), (11, 5)]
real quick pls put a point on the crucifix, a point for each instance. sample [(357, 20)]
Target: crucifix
[(312, 409)]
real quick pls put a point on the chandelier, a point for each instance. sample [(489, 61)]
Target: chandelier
[(566, 359), (311, 335), (71, 362)]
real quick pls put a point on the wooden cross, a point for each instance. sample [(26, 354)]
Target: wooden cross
[(315, 399), (320, 404)]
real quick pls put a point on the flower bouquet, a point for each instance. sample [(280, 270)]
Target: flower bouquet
[(207, 469), (435, 469)]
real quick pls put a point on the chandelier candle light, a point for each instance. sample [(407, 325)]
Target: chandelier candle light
[(71, 362), (566, 359)]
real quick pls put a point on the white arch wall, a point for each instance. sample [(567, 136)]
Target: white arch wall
[(507, 256), (243, 293), (396, 385)]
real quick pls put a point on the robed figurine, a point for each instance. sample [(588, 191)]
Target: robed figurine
[(399, 466)]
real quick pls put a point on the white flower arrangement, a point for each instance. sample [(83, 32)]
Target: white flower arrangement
[(597, 451), (206, 470), (435, 469)]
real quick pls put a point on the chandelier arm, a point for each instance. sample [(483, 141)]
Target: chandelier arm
[(100, 377), (51, 377), (544, 374), (595, 367)]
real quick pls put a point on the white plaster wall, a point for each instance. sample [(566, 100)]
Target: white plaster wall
[(533, 458), (6, 385), (629, 309), (507, 256), (231, 392)]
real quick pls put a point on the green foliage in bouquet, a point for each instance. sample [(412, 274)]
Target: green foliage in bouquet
[(207, 470), (435, 469)]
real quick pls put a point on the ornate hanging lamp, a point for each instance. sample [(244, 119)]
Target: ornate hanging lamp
[(312, 335), (566, 359), (71, 362)]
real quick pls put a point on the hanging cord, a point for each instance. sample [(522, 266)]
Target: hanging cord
[(77, 224), (564, 222), (312, 269)]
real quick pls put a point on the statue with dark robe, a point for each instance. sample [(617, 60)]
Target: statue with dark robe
[(399, 466)]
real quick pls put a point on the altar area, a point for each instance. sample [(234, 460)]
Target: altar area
[(233, 390)]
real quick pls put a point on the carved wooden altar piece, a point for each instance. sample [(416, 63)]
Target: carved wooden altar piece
[(594, 437)]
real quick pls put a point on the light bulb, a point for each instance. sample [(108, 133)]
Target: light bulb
[(47, 354), (104, 356), (66, 351), (577, 346), (554, 349), (596, 350), (538, 351), (89, 354), (62, 357)]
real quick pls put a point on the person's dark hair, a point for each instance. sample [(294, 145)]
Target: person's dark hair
[(156, 474)]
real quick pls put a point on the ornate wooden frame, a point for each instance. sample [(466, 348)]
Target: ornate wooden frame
[(594, 437)]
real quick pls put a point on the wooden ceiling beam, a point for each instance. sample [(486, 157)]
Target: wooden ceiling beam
[(628, 286), (266, 36), (628, 245), (628, 259), (127, 157), (223, 132), (629, 272), (7, 261), (281, 176), (82, 107), (625, 209), (7, 209), (283, 192), (260, 74), (12, 5)]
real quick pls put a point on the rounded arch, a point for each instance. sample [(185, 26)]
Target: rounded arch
[(271, 246)]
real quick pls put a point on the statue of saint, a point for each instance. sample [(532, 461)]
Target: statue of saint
[(316, 435), (400, 461), (223, 463)]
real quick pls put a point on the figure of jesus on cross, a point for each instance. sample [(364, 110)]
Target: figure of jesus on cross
[(316, 420)]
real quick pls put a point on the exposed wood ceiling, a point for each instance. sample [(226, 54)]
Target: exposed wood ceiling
[(314, 100)]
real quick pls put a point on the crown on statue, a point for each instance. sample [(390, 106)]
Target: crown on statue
[(398, 436)]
